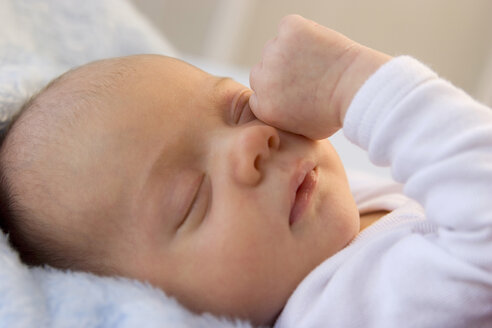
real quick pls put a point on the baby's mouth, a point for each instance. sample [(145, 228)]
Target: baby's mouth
[(303, 192)]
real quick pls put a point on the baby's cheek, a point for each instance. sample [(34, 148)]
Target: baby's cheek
[(340, 223), (242, 264), (224, 270)]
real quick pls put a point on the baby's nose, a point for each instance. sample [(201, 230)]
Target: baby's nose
[(253, 147)]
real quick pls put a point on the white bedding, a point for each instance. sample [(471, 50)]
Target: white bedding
[(39, 39)]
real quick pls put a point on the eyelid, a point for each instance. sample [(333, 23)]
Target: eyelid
[(246, 114), (193, 202), (239, 103)]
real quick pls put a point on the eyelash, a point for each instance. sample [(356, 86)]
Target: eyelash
[(250, 116), (242, 112), (194, 203)]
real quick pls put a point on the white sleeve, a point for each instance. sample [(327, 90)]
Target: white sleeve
[(438, 142)]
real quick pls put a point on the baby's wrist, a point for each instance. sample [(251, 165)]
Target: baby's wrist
[(366, 62)]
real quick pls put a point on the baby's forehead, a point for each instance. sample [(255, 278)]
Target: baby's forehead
[(90, 86), (114, 96), (61, 116)]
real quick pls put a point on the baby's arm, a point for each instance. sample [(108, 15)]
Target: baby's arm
[(436, 138), (438, 141)]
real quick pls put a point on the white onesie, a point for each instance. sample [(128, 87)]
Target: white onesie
[(428, 263)]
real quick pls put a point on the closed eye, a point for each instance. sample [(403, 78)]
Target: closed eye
[(246, 115), (241, 111), (199, 205)]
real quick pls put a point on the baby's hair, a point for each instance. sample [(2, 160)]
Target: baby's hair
[(27, 225), (25, 230), (15, 221)]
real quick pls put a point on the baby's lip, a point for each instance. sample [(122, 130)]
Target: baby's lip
[(303, 168)]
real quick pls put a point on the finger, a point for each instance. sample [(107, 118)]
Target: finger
[(253, 103)]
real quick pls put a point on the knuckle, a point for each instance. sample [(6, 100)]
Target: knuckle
[(291, 25), (269, 112), (289, 20)]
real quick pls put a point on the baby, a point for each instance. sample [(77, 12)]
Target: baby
[(235, 204)]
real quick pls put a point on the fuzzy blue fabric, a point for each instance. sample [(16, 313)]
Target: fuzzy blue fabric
[(45, 297), (39, 39)]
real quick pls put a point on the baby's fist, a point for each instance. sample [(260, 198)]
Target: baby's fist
[(301, 83), (295, 81)]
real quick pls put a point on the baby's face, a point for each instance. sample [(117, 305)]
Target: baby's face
[(220, 210)]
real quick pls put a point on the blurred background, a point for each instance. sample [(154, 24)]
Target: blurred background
[(454, 37)]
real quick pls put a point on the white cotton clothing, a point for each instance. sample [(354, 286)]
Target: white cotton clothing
[(428, 263)]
